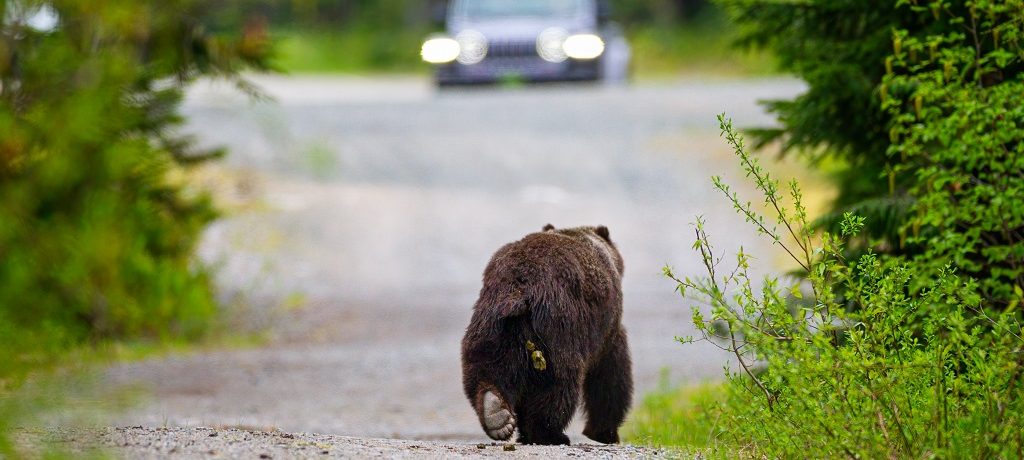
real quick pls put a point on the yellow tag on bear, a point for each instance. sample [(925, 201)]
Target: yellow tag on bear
[(536, 356)]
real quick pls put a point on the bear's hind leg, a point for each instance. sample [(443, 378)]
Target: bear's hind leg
[(544, 414), (494, 371), (608, 392), (491, 391), (492, 403)]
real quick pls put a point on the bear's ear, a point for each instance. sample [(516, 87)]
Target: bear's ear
[(602, 231), (548, 227)]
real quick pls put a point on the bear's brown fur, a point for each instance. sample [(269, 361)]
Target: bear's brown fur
[(545, 331)]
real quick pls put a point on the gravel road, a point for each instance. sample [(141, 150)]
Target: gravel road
[(210, 443), (374, 206)]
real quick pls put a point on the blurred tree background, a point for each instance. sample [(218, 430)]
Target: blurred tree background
[(364, 36), (98, 222)]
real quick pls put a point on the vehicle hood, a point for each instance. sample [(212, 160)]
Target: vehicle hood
[(520, 28)]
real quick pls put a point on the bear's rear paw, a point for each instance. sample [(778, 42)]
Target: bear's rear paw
[(545, 439), (606, 437), (498, 420)]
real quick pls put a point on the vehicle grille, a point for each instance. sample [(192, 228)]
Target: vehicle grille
[(502, 49)]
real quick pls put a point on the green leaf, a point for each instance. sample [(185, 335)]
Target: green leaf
[(794, 290)]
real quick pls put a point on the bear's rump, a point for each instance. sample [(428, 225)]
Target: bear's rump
[(558, 290)]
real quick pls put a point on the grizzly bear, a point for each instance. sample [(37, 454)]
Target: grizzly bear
[(545, 331)]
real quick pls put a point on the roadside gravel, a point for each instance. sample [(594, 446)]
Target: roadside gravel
[(211, 443)]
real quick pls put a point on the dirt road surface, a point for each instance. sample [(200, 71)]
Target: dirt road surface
[(372, 208), (210, 443)]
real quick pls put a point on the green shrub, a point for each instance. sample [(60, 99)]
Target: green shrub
[(920, 100), (97, 228), (838, 48), (940, 72), (97, 224), (908, 372), (916, 353), (954, 94)]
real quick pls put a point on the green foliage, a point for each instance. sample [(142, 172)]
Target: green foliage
[(919, 98), (954, 94), (916, 350), (838, 47), (97, 224), (856, 361)]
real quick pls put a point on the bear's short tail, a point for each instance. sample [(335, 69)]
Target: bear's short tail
[(514, 305)]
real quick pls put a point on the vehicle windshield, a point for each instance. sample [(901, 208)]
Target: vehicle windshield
[(495, 9)]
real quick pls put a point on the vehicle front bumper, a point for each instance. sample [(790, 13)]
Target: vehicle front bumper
[(526, 68)]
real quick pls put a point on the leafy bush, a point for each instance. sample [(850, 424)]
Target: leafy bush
[(881, 71), (838, 48), (953, 92), (915, 353), (907, 372), (97, 225)]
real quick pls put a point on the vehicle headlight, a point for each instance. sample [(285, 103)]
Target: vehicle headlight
[(583, 46), (473, 46), (440, 50), (550, 44)]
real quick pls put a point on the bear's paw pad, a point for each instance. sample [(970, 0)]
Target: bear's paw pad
[(498, 421)]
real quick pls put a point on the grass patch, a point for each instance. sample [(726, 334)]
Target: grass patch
[(319, 50), (663, 52), (680, 417), (703, 46)]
